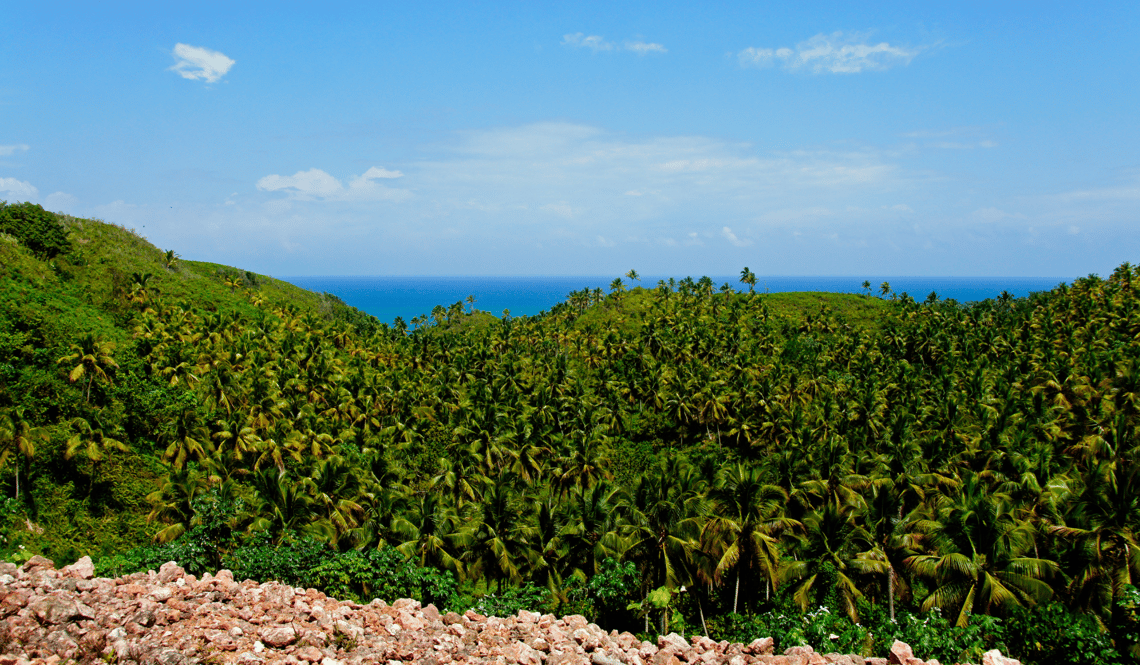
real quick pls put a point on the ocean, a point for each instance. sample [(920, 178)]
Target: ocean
[(407, 297)]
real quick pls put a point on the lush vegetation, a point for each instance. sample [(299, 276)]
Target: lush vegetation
[(800, 465)]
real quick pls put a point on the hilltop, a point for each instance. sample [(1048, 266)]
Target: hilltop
[(675, 458)]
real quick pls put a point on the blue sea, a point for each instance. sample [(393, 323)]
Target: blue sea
[(407, 297)]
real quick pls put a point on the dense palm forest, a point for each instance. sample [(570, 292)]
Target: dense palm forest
[(677, 456)]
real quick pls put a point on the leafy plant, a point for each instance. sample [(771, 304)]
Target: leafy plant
[(38, 230)]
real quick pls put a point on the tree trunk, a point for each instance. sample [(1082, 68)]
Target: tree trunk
[(891, 588), (701, 609), (736, 594)]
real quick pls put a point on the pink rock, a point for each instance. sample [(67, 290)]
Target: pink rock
[(54, 609), (83, 569), (519, 652), (278, 635), (994, 657), (673, 640), (761, 646), (38, 562), (900, 653), (408, 622)]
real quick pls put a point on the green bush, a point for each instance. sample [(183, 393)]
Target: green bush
[(36, 228), (604, 598), (1053, 634), (509, 602), (932, 635), (191, 555), (385, 574), (290, 562)]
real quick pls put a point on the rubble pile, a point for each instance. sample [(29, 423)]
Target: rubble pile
[(171, 618)]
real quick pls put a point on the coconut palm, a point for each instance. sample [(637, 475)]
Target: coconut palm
[(980, 564), (17, 440), (91, 358), (746, 521)]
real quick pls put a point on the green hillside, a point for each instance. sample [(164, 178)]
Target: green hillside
[(676, 456)]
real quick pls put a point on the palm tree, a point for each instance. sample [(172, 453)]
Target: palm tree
[(91, 443), (1102, 521), (980, 564), (173, 501), (93, 357), (431, 532), (746, 521), (282, 504), (663, 513), (591, 530), (749, 278), (826, 557), (500, 537), (17, 439)]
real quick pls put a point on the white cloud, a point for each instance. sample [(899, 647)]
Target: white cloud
[(642, 48), (562, 209), (195, 62), (19, 190), (61, 202), (1122, 192), (378, 172), (593, 42), (598, 43), (731, 237), (6, 150), (315, 184), (836, 53)]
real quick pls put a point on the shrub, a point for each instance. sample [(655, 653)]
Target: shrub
[(385, 574), (509, 602), (290, 562), (38, 229), (1053, 634)]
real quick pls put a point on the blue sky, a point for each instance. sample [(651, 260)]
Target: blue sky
[(523, 138)]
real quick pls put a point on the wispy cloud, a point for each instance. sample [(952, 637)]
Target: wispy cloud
[(6, 150), (731, 237), (316, 184), (644, 48), (593, 42), (18, 189), (195, 62), (598, 43), (837, 53), (1125, 191)]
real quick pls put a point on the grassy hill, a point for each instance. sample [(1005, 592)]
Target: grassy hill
[(962, 464)]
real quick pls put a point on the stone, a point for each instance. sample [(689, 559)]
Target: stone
[(522, 654), (83, 569), (994, 657), (54, 610), (761, 646), (672, 640), (900, 653), (601, 658), (310, 654), (278, 635), (38, 562)]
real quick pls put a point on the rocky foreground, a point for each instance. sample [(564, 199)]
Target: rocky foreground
[(171, 618)]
